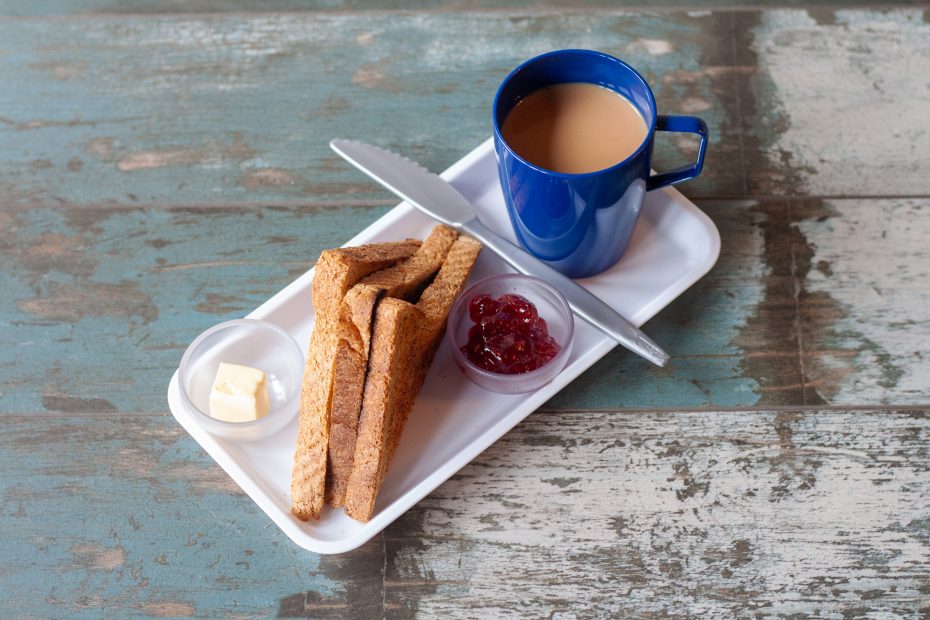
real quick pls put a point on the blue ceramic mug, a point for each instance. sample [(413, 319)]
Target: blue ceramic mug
[(581, 224)]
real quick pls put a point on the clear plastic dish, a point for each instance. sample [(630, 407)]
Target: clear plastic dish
[(551, 306), (248, 342)]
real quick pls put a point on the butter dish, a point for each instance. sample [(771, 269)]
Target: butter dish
[(246, 342)]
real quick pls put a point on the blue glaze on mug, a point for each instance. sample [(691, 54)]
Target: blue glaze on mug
[(581, 224)]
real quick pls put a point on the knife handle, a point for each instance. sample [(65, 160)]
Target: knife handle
[(583, 303)]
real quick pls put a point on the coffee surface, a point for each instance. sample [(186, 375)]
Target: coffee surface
[(574, 128)]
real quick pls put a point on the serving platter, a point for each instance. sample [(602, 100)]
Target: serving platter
[(453, 420)]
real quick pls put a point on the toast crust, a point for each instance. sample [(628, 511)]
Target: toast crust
[(404, 340), (391, 368), (336, 272), (406, 279)]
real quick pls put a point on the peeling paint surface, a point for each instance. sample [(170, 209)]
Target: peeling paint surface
[(114, 290), (866, 133), (138, 520), (700, 331), (164, 167), (875, 263), (651, 514), (173, 110)]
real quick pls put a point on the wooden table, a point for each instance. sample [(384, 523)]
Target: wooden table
[(164, 167)]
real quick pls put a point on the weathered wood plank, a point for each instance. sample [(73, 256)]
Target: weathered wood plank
[(840, 102), (584, 513), (89, 293), (654, 515), (863, 299), (85, 7), (213, 109), (127, 516), (100, 304), (823, 302), (93, 292), (245, 105)]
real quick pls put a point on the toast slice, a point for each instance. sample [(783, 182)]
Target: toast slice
[(404, 280), (404, 340), (336, 272)]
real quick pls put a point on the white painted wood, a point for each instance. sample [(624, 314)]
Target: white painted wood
[(655, 514), (874, 262), (861, 133)]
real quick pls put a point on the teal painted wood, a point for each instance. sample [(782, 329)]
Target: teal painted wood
[(92, 292), (161, 173), (146, 281), (127, 516), (101, 303), (219, 110), (214, 109), (84, 7), (791, 315), (647, 513)]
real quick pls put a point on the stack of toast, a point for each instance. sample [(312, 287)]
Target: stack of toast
[(381, 312)]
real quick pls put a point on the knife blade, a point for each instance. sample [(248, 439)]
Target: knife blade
[(436, 198)]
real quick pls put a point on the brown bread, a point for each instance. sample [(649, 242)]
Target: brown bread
[(404, 280), (404, 340), (336, 272)]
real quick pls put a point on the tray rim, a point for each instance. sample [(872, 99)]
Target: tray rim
[(403, 503)]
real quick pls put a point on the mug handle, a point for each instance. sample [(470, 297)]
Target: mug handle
[(689, 124)]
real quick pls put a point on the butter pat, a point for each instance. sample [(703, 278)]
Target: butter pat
[(239, 394)]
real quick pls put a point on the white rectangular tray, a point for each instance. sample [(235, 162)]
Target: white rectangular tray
[(454, 420)]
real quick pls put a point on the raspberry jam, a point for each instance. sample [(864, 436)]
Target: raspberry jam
[(508, 335)]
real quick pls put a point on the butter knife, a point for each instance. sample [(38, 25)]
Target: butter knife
[(439, 200)]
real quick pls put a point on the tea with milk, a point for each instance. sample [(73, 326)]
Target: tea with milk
[(574, 128)]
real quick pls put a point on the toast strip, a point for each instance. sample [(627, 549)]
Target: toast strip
[(404, 280), (336, 272), (404, 340)]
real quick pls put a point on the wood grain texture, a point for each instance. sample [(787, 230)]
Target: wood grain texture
[(587, 514), (212, 109), (105, 301), (142, 7), (864, 304), (792, 314), (109, 516), (821, 141), (170, 109), (166, 169), (597, 514)]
